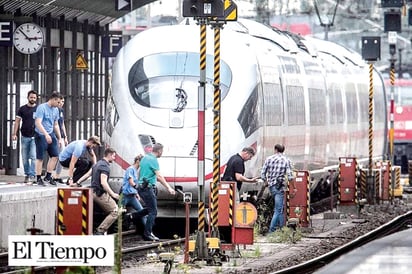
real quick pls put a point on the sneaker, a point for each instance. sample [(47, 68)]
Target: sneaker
[(40, 182), (58, 180), (26, 179), (49, 181), (154, 237), (151, 238)]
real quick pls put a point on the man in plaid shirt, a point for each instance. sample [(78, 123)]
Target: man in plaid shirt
[(274, 171)]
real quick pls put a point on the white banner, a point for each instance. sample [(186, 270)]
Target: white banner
[(61, 250)]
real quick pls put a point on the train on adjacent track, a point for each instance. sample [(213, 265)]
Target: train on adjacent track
[(402, 118), (276, 87)]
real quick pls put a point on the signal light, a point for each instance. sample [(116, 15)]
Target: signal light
[(194, 10), (371, 48), (190, 8), (203, 8), (392, 21)]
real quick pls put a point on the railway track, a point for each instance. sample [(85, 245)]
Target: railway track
[(133, 248), (135, 251), (397, 224)]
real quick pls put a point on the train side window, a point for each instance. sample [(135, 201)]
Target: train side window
[(296, 105), (351, 104), (273, 104), (317, 103), (248, 117), (335, 102), (363, 91), (289, 65)]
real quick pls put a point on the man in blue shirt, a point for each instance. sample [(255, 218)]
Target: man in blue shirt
[(47, 136), (79, 157), (149, 175), (63, 144), (275, 170)]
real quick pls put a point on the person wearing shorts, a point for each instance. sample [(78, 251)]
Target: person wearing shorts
[(47, 136)]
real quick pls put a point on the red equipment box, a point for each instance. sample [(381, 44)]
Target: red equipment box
[(347, 180), (74, 211), (298, 204)]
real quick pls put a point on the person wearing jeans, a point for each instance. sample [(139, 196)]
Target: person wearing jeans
[(129, 191), (149, 175), (25, 115), (275, 170)]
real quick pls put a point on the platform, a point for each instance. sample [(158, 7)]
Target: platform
[(22, 206)]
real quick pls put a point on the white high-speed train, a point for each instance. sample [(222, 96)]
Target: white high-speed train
[(276, 87)]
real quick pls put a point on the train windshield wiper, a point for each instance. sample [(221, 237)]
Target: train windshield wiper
[(181, 100)]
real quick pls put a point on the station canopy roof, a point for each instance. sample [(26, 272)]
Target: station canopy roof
[(101, 11)]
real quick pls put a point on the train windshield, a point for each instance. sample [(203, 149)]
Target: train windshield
[(171, 80)]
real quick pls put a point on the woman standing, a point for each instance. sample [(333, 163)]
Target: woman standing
[(129, 190)]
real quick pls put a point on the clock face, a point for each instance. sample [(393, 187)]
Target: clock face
[(28, 38)]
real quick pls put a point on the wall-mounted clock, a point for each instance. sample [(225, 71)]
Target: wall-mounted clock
[(28, 38)]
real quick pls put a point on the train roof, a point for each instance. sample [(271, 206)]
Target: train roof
[(259, 30), (339, 52), (291, 42)]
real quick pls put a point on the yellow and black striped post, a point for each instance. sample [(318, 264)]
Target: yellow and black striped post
[(60, 210), (371, 175), (363, 188), (370, 112), (378, 179), (397, 177), (85, 213), (339, 183), (216, 132), (231, 203)]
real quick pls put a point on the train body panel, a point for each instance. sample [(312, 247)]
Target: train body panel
[(275, 88)]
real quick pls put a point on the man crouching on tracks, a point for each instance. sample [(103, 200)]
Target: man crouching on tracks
[(149, 175), (103, 195), (79, 157)]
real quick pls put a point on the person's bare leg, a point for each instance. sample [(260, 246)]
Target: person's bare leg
[(39, 166), (51, 164)]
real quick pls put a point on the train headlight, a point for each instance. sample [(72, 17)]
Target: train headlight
[(399, 110)]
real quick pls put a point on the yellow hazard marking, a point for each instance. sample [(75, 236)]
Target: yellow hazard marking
[(81, 63), (246, 214), (212, 243), (230, 12)]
